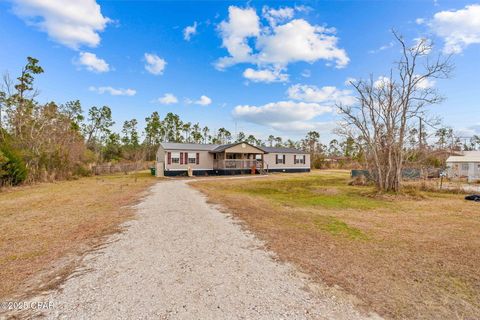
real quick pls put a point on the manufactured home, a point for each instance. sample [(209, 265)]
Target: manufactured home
[(466, 165), (175, 159)]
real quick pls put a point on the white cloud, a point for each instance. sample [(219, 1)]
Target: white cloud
[(459, 29), (426, 83), (71, 23), (168, 98), (419, 21), (113, 91), (154, 64), (423, 45), (276, 45), (475, 129), (468, 131), (282, 115), (241, 24), (190, 31), (382, 48), (381, 82), (274, 16), (327, 95), (298, 40), (265, 75), (92, 62), (302, 127), (306, 73), (349, 81), (203, 101)]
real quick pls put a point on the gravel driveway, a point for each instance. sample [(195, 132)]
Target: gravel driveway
[(184, 259)]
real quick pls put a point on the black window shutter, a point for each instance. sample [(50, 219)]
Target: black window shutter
[(198, 158), (276, 159), (304, 159), (283, 159)]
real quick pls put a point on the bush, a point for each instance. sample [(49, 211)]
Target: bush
[(360, 180), (81, 171), (12, 168)]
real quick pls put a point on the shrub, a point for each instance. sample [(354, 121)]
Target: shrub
[(12, 168), (360, 180), (81, 171)]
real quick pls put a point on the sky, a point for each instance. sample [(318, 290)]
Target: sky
[(261, 67)]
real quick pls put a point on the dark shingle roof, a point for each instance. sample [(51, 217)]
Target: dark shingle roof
[(282, 150), (188, 146), (221, 147)]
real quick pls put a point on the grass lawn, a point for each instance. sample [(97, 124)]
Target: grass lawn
[(43, 224), (403, 257)]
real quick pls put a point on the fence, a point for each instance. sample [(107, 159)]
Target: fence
[(407, 173), (119, 167)]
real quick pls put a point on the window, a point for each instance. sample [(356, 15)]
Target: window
[(176, 158), (464, 166), (192, 160), (280, 159), (299, 159)]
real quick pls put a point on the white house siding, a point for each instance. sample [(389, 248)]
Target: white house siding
[(270, 161), (470, 170), (205, 160), (465, 165)]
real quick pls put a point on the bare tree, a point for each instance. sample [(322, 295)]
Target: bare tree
[(388, 107)]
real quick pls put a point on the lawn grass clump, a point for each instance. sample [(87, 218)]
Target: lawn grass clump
[(330, 192), (338, 227)]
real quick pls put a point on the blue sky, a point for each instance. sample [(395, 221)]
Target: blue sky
[(130, 54)]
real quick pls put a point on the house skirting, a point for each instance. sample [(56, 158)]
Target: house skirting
[(289, 170), (227, 172)]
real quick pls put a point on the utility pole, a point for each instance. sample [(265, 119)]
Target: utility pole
[(420, 136), (235, 134)]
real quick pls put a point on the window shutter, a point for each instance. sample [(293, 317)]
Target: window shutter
[(198, 158), (181, 157), (169, 157), (294, 159), (276, 159), (283, 159), (304, 159), (186, 158)]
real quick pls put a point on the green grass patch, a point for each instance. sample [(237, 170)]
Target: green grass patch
[(331, 192), (337, 227)]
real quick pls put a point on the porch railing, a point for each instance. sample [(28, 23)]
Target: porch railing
[(237, 164)]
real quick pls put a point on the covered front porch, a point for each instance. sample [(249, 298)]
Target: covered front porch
[(238, 157)]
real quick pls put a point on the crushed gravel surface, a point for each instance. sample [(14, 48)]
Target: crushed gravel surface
[(184, 259)]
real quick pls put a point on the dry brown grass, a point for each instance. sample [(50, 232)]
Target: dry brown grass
[(45, 228), (403, 257)]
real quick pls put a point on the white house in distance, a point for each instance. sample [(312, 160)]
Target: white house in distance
[(466, 165), (175, 159)]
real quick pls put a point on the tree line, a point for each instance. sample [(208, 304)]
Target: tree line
[(48, 141)]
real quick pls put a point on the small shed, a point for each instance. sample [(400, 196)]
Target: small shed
[(466, 165)]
